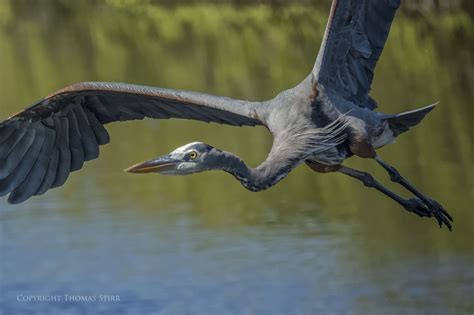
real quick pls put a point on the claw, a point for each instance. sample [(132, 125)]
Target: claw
[(441, 214), (435, 204), (429, 209)]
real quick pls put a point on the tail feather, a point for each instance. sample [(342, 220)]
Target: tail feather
[(404, 121)]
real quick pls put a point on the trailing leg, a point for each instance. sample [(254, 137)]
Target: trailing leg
[(397, 178), (414, 205)]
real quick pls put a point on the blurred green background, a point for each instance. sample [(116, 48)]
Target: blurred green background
[(315, 243)]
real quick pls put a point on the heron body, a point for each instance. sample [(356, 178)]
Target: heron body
[(322, 121)]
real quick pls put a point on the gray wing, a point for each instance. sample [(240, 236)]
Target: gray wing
[(42, 144), (353, 42)]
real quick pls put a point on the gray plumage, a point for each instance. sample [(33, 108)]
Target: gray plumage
[(322, 121)]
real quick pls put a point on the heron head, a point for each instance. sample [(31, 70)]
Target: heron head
[(190, 158)]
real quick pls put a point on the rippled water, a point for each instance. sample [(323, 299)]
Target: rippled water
[(201, 244)]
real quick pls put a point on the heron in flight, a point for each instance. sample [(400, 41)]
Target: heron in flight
[(324, 120)]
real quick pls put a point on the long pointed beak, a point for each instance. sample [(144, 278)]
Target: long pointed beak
[(160, 164)]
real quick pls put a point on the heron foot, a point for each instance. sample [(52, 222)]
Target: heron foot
[(429, 209), (440, 213)]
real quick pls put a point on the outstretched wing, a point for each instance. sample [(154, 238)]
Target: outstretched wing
[(353, 41), (41, 145)]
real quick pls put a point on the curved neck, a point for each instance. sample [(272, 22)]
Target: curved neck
[(260, 178)]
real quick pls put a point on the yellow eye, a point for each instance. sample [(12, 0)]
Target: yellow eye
[(193, 155)]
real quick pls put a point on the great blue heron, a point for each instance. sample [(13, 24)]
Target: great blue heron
[(322, 121)]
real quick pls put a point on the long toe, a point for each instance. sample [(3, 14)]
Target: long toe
[(440, 213), (439, 207)]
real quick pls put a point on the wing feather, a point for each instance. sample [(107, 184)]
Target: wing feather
[(101, 109), (15, 137), (50, 175), (5, 132), (75, 143), (89, 141), (35, 177), (14, 157), (62, 144), (12, 181), (101, 134)]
